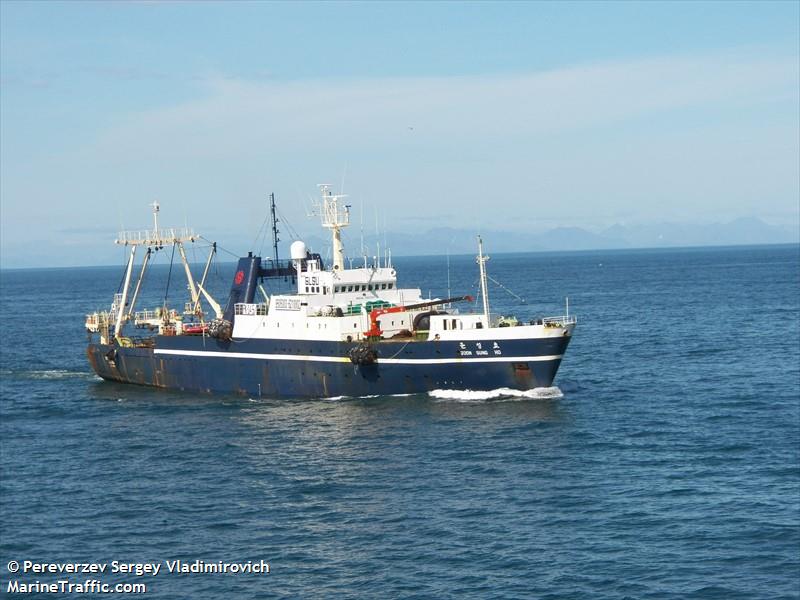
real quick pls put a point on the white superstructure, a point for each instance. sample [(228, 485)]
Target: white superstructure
[(335, 304), (356, 304), (331, 304)]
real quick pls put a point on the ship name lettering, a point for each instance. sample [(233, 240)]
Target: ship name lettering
[(466, 352), (287, 304)]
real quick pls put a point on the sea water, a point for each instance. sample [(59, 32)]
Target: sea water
[(665, 462)]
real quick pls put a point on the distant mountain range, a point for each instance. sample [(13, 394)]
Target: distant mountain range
[(96, 249), (744, 231)]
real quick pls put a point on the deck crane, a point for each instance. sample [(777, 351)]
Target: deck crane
[(375, 330)]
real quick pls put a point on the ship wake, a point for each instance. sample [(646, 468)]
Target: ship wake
[(49, 374), (543, 393)]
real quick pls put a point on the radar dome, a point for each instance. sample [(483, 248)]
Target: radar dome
[(298, 250)]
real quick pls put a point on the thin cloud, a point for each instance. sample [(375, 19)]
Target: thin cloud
[(32, 82), (628, 140), (240, 114)]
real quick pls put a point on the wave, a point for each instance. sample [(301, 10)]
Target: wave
[(337, 398), (548, 393), (50, 374), (542, 393)]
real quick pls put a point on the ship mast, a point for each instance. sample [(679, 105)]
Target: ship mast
[(334, 217), (481, 260), (275, 230)]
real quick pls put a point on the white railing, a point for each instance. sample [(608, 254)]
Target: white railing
[(161, 237), (250, 309), (158, 313), (115, 304), (561, 321), (146, 315), (97, 320)]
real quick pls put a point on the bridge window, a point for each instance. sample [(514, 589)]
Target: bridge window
[(391, 285)]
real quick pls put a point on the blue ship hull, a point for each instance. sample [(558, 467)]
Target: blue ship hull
[(302, 369)]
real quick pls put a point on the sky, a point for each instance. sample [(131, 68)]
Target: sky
[(504, 116)]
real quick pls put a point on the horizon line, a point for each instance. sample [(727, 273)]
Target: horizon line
[(504, 253)]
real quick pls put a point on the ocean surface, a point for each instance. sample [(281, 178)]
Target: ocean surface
[(665, 465)]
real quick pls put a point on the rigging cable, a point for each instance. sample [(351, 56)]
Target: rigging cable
[(518, 297), (169, 275), (124, 266), (119, 287), (261, 231), (221, 248), (290, 230)]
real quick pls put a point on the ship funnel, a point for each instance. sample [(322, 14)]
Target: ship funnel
[(243, 288)]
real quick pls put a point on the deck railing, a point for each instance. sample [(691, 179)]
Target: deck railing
[(250, 309), (561, 321), (161, 237)]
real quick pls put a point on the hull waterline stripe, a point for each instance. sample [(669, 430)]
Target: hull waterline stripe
[(345, 359)]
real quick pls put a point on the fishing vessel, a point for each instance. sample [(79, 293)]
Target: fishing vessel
[(340, 332)]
